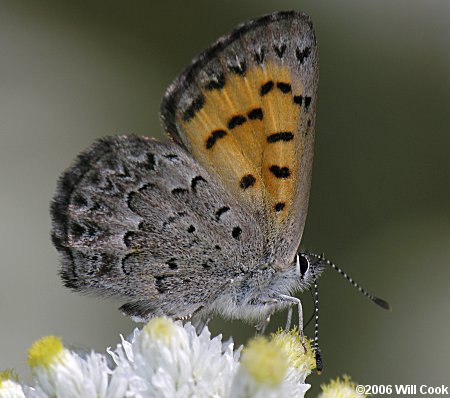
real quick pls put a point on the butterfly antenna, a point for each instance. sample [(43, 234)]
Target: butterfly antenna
[(380, 302), (319, 364)]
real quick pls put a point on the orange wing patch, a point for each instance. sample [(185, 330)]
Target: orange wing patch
[(245, 130)]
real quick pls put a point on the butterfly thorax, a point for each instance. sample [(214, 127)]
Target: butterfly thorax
[(254, 295)]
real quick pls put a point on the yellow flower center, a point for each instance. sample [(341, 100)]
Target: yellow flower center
[(291, 343), (264, 361), (45, 351), (160, 328)]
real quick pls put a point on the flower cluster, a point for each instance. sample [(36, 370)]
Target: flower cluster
[(167, 359)]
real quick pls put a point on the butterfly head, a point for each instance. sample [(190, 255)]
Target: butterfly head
[(307, 269)]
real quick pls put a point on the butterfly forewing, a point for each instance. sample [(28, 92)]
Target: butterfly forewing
[(245, 109)]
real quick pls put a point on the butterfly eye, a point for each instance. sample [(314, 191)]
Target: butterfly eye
[(304, 264)]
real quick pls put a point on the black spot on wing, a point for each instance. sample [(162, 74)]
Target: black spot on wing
[(279, 50), (282, 136), (298, 99), (247, 181), (195, 181), (239, 68), (195, 106), (307, 102), (236, 233), (221, 211), (259, 55), (302, 55), (172, 263), (191, 229), (279, 206), (280, 172), (216, 83), (214, 136), (285, 88), (255, 114), (148, 163), (266, 88), (236, 121)]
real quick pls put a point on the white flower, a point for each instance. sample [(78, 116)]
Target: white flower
[(59, 372), (169, 360), (9, 388)]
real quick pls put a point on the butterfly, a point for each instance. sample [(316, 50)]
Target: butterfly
[(209, 222)]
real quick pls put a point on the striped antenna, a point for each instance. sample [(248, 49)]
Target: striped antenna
[(319, 364), (382, 303)]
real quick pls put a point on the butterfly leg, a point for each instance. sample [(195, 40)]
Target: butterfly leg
[(261, 326), (289, 319), (298, 303)]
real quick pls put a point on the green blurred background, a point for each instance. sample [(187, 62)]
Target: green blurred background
[(380, 202)]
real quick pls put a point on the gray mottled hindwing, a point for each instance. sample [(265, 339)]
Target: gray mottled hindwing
[(245, 108), (142, 220)]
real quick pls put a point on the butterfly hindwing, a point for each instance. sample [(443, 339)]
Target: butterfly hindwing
[(245, 109), (141, 219)]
